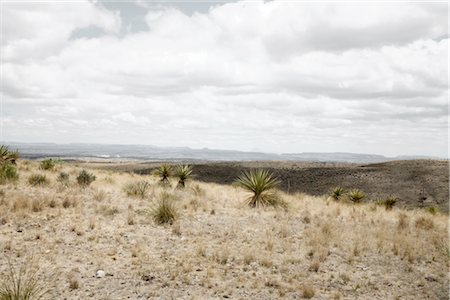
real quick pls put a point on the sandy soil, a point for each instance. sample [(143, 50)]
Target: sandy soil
[(219, 247)]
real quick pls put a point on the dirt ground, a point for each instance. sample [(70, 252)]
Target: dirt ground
[(218, 247)]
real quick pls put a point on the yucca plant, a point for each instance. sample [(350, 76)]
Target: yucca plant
[(85, 178), (183, 173), (389, 202), (356, 195), (262, 184), (164, 172), (164, 211), (337, 193), (7, 156)]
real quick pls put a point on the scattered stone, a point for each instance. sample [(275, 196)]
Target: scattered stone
[(100, 274), (430, 278)]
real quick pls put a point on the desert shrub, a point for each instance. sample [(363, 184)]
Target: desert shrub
[(262, 185), (183, 173), (8, 173), (164, 211), (85, 178), (337, 193), (356, 195), (433, 210), (25, 283), (137, 189), (63, 178), (164, 172), (37, 179), (48, 164)]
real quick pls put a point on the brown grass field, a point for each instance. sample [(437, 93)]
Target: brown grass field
[(218, 247)]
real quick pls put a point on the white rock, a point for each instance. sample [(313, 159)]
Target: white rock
[(100, 274)]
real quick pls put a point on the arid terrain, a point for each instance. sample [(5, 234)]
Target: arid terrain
[(415, 183), (219, 247)]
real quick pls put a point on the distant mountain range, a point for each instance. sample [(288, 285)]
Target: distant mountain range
[(154, 153)]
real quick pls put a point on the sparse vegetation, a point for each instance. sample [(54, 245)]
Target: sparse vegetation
[(433, 210), (164, 211), (270, 253), (356, 196), (85, 178), (38, 180), (137, 189), (164, 172), (337, 193), (183, 173), (262, 185)]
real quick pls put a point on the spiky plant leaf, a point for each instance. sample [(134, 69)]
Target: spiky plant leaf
[(356, 195), (337, 193), (262, 185), (183, 173), (164, 172)]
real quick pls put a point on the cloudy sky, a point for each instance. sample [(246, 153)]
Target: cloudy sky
[(274, 76)]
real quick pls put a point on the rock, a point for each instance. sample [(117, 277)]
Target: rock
[(100, 274), (147, 277)]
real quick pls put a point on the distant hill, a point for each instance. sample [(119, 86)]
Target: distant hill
[(154, 153)]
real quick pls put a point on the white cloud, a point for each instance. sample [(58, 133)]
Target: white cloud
[(275, 76)]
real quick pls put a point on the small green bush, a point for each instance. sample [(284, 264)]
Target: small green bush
[(137, 189), (164, 211), (356, 195), (433, 210), (337, 193), (38, 179), (48, 164), (85, 178), (8, 173)]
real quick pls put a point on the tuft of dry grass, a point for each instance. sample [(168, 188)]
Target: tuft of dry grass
[(164, 210)]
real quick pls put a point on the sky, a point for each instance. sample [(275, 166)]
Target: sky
[(270, 76)]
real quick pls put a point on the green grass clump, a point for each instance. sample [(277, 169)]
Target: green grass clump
[(337, 193), (137, 189), (356, 196), (183, 173), (48, 164), (85, 178), (433, 210), (8, 173), (164, 211), (262, 184), (38, 180)]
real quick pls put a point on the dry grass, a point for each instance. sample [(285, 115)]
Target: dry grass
[(316, 249)]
